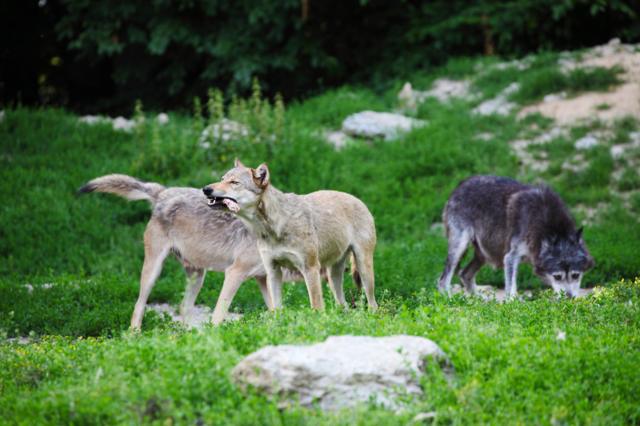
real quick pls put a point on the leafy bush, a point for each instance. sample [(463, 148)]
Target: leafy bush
[(109, 54)]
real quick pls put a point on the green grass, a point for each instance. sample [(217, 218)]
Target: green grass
[(84, 368), (538, 83)]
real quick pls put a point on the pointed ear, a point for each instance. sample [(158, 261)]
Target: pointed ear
[(261, 175), (579, 234), (237, 163)]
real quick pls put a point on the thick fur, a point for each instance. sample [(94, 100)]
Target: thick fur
[(200, 237), (307, 232), (508, 222)]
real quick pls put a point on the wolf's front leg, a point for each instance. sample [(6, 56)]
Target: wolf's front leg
[(314, 285), (234, 276), (274, 285), (511, 261)]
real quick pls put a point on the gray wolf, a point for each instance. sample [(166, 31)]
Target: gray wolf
[(200, 237), (508, 222), (307, 232)]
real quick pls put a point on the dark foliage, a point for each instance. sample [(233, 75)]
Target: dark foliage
[(104, 55)]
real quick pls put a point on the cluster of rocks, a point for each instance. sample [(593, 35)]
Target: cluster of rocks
[(224, 130), (120, 123), (442, 89), (499, 105)]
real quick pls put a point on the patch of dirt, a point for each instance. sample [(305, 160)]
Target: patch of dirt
[(488, 293), (622, 101), (199, 316)]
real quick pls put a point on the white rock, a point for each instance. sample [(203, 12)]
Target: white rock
[(93, 119), (485, 136), (342, 371), (123, 124), (444, 89), (337, 138), (407, 97), (617, 151), (552, 134), (162, 118), (421, 417), (224, 130), (586, 142), (553, 97), (499, 105), (371, 124)]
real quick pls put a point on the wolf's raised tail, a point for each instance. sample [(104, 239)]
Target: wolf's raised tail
[(124, 186)]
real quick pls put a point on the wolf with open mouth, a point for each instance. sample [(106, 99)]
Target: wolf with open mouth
[(308, 232)]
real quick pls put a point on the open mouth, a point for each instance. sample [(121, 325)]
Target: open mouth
[(228, 202)]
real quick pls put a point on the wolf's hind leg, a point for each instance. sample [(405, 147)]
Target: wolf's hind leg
[(468, 274), (458, 242), (336, 277), (195, 279), (365, 274), (156, 249), (264, 290)]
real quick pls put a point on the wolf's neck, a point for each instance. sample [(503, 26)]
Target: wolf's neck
[(270, 215)]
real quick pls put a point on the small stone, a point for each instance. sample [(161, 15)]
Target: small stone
[(337, 138), (553, 97), (485, 136), (93, 119), (586, 142), (123, 124), (617, 151), (499, 105), (162, 118), (406, 97), (421, 417), (386, 125)]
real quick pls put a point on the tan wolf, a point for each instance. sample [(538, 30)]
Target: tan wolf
[(200, 237), (307, 232)]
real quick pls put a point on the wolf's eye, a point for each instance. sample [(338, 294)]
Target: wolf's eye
[(557, 277), (234, 182), (575, 275)]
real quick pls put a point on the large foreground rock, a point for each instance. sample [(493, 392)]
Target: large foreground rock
[(371, 124), (342, 371)]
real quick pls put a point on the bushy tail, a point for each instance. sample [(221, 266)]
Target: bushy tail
[(124, 186)]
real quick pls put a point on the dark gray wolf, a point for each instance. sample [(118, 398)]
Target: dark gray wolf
[(508, 222), (307, 232), (200, 237)]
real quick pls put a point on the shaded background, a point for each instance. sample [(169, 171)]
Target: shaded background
[(93, 56)]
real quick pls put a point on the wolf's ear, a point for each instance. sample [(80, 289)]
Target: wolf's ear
[(261, 175), (579, 234), (237, 163)]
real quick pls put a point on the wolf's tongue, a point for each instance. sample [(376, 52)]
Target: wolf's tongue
[(231, 205)]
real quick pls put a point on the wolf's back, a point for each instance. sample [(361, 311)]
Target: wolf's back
[(124, 186)]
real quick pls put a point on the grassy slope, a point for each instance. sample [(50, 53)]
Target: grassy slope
[(509, 365)]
